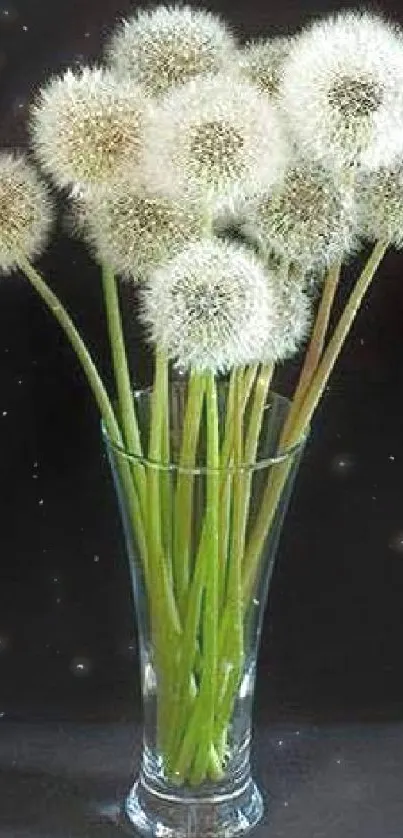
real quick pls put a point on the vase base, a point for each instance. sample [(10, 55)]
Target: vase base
[(156, 815)]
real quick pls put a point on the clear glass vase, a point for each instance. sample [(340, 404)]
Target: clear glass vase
[(201, 544)]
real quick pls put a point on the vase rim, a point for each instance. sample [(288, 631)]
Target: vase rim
[(174, 467)]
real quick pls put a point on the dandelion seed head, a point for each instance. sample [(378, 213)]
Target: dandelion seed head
[(210, 308), (170, 45), (380, 205), (294, 317), (133, 230), (261, 63), (212, 135), (307, 219), (342, 91), (88, 128), (25, 212)]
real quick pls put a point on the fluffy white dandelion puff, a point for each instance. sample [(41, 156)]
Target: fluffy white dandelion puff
[(132, 230), (294, 318), (261, 63), (25, 212), (342, 90), (307, 219), (211, 307), (170, 45), (212, 135), (380, 205), (87, 128)]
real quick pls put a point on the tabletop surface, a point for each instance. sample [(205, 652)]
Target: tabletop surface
[(66, 780)]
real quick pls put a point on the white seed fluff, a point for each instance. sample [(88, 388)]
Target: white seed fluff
[(87, 128), (380, 205), (25, 212), (294, 315), (307, 219), (170, 45), (132, 230), (212, 135), (342, 91), (211, 307), (261, 63)]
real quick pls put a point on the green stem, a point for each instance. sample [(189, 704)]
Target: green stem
[(188, 652), (231, 658), (166, 476), (165, 621), (183, 517), (127, 413), (210, 615), (226, 485), (242, 498), (279, 473), (259, 402), (59, 312), (197, 743), (336, 343), (316, 344), (248, 376), (99, 392), (302, 420)]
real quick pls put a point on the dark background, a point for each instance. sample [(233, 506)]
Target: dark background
[(332, 642)]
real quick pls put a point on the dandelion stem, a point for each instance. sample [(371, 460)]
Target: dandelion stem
[(316, 344), (183, 503), (303, 419), (127, 413), (98, 390)]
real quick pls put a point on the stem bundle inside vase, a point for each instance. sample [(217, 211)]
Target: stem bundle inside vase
[(228, 191)]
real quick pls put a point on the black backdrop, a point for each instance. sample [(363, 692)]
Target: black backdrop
[(333, 630)]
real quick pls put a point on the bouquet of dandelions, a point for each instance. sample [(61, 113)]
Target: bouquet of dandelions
[(227, 182)]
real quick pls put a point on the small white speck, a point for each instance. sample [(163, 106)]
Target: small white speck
[(80, 666), (285, 803), (256, 602), (96, 558), (338, 761), (25, 28), (56, 579), (280, 742), (41, 502), (19, 381), (87, 34), (58, 601), (4, 413), (373, 497), (392, 457), (342, 464), (297, 732), (2, 714), (362, 341), (34, 477)]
